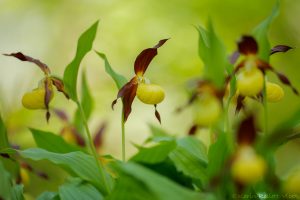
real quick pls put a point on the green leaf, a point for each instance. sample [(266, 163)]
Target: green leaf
[(79, 163), (130, 188), (213, 54), (84, 45), (48, 196), (78, 190), (158, 185), (260, 33), (190, 158), (155, 154), (3, 135), (217, 155), (8, 191), (158, 134), (87, 104), (17, 192), (52, 142), (118, 78)]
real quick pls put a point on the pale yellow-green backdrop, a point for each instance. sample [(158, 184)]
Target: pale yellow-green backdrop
[(49, 30)]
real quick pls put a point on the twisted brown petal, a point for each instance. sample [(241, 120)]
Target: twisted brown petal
[(145, 57), (47, 98), (193, 129), (247, 45), (61, 115), (157, 115), (23, 57), (58, 83), (239, 104), (280, 48), (127, 93)]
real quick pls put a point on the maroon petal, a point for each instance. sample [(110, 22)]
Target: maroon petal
[(193, 129), (61, 115), (98, 138), (246, 133), (247, 45), (145, 57), (47, 98), (284, 79), (234, 57), (157, 115), (280, 48), (190, 101), (58, 83), (127, 93), (239, 104), (23, 57)]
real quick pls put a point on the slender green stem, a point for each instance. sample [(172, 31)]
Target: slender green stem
[(123, 136), (265, 103), (91, 143), (230, 138)]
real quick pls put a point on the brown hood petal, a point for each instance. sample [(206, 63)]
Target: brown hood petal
[(246, 133), (23, 57), (280, 48), (127, 93), (247, 45), (58, 83), (145, 57)]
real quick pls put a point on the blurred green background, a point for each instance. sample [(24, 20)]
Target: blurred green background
[(48, 30)]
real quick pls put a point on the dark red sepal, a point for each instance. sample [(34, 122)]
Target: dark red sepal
[(23, 57), (145, 57), (127, 93)]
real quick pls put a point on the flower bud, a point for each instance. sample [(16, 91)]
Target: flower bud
[(35, 99), (292, 183), (24, 176), (207, 110), (250, 81), (150, 93), (274, 92), (248, 167)]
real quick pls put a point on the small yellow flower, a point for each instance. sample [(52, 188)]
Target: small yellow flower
[(150, 93), (248, 167), (274, 92), (207, 110), (250, 81)]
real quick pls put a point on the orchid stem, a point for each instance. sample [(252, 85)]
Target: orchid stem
[(230, 138), (94, 152), (123, 136), (265, 104)]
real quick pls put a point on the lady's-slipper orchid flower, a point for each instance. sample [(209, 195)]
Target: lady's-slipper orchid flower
[(40, 97), (140, 86), (206, 100), (249, 79), (247, 166)]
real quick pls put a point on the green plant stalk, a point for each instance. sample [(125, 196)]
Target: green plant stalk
[(230, 138), (94, 152), (123, 136), (265, 104)]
